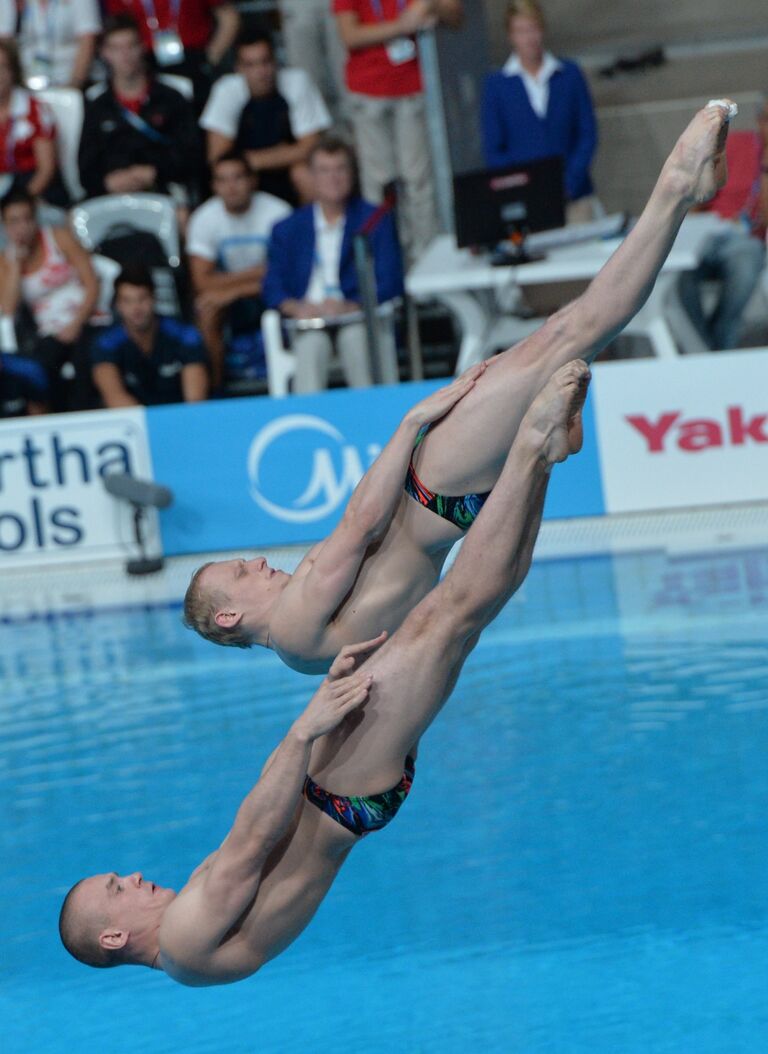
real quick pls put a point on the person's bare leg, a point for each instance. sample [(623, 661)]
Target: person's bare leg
[(465, 451), (415, 671)]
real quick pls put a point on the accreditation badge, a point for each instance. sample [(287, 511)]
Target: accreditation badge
[(401, 50), (167, 46)]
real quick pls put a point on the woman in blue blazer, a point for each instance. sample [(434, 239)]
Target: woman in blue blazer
[(538, 105)]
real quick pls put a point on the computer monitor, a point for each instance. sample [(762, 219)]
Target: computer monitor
[(495, 205)]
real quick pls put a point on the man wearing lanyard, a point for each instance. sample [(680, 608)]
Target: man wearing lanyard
[(311, 274), (56, 38), (386, 102), (138, 134), (187, 37)]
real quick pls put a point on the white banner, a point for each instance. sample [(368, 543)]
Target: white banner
[(53, 505), (686, 432)]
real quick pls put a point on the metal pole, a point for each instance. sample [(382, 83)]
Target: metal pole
[(369, 301)]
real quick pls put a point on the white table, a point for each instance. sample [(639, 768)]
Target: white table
[(471, 288)]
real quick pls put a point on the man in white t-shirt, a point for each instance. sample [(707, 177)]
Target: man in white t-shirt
[(274, 117), (227, 241)]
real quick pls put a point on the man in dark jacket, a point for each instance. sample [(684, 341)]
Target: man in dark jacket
[(311, 274), (138, 134)]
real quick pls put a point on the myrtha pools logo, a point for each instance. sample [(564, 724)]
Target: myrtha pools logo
[(302, 470)]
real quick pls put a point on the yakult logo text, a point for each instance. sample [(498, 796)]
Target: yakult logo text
[(696, 434), (276, 469)]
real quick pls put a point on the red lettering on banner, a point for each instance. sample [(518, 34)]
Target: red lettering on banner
[(743, 429), (699, 435), (653, 433)]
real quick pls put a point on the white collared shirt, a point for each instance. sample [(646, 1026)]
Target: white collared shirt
[(537, 87), (325, 281)]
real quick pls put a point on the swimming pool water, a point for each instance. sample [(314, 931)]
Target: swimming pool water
[(581, 866)]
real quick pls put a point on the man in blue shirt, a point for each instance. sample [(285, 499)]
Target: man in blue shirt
[(147, 359), (23, 386), (311, 273), (538, 106)]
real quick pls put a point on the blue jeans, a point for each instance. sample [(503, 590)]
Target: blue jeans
[(735, 259)]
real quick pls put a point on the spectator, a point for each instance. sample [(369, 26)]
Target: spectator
[(386, 102), (312, 44), (735, 256), (311, 273), (186, 37), (538, 106), (57, 38), (45, 270), (227, 243), (27, 151), (274, 117), (23, 386), (138, 134), (146, 359)]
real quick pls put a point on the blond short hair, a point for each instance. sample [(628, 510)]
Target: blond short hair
[(200, 607), (77, 934), (526, 9)]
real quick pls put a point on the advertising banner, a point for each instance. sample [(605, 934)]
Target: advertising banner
[(266, 472), (53, 505), (684, 432)]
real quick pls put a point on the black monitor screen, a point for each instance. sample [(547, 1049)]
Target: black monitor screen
[(490, 205)]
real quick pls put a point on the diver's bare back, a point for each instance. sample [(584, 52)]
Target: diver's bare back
[(296, 877), (393, 578)]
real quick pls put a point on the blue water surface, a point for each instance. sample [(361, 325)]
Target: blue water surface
[(582, 865)]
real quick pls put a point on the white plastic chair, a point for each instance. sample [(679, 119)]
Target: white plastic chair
[(281, 362), (67, 108), (155, 214)]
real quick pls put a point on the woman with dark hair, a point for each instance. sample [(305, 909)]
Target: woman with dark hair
[(45, 270), (27, 152)]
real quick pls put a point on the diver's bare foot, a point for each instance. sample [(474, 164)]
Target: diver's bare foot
[(555, 413), (696, 168)]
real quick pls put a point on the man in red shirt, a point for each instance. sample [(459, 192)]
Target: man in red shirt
[(735, 256), (386, 102), (187, 37)]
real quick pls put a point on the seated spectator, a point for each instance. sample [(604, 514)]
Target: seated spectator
[(227, 243), (56, 38), (27, 151), (539, 106), (46, 270), (274, 117), (186, 37), (23, 386), (147, 359), (733, 257), (387, 106), (311, 273), (138, 134)]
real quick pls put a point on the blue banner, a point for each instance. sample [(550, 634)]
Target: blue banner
[(259, 472)]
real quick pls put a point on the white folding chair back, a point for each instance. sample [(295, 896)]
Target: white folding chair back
[(67, 107), (154, 213), (281, 363)]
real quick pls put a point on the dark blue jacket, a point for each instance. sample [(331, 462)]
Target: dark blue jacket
[(292, 256), (514, 134)]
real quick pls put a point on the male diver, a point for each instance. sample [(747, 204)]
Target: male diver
[(389, 548)]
